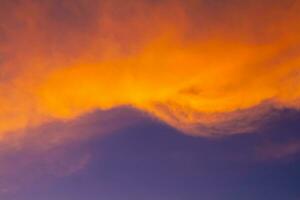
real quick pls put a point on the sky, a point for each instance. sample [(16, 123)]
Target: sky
[(147, 99)]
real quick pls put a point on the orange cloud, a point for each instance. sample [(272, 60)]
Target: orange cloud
[(200, 66)]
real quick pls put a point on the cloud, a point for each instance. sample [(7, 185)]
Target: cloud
[(200, 66), (278, 151)]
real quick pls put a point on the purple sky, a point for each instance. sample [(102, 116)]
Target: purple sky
[(150, 160)]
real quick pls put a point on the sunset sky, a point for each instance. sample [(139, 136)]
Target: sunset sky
[(149, 99)]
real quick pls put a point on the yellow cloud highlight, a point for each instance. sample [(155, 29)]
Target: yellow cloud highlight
[(186, 71)]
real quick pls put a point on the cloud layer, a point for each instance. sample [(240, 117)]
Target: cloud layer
[(200, 66)]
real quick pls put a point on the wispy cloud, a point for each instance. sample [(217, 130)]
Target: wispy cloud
[(206, 64)]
